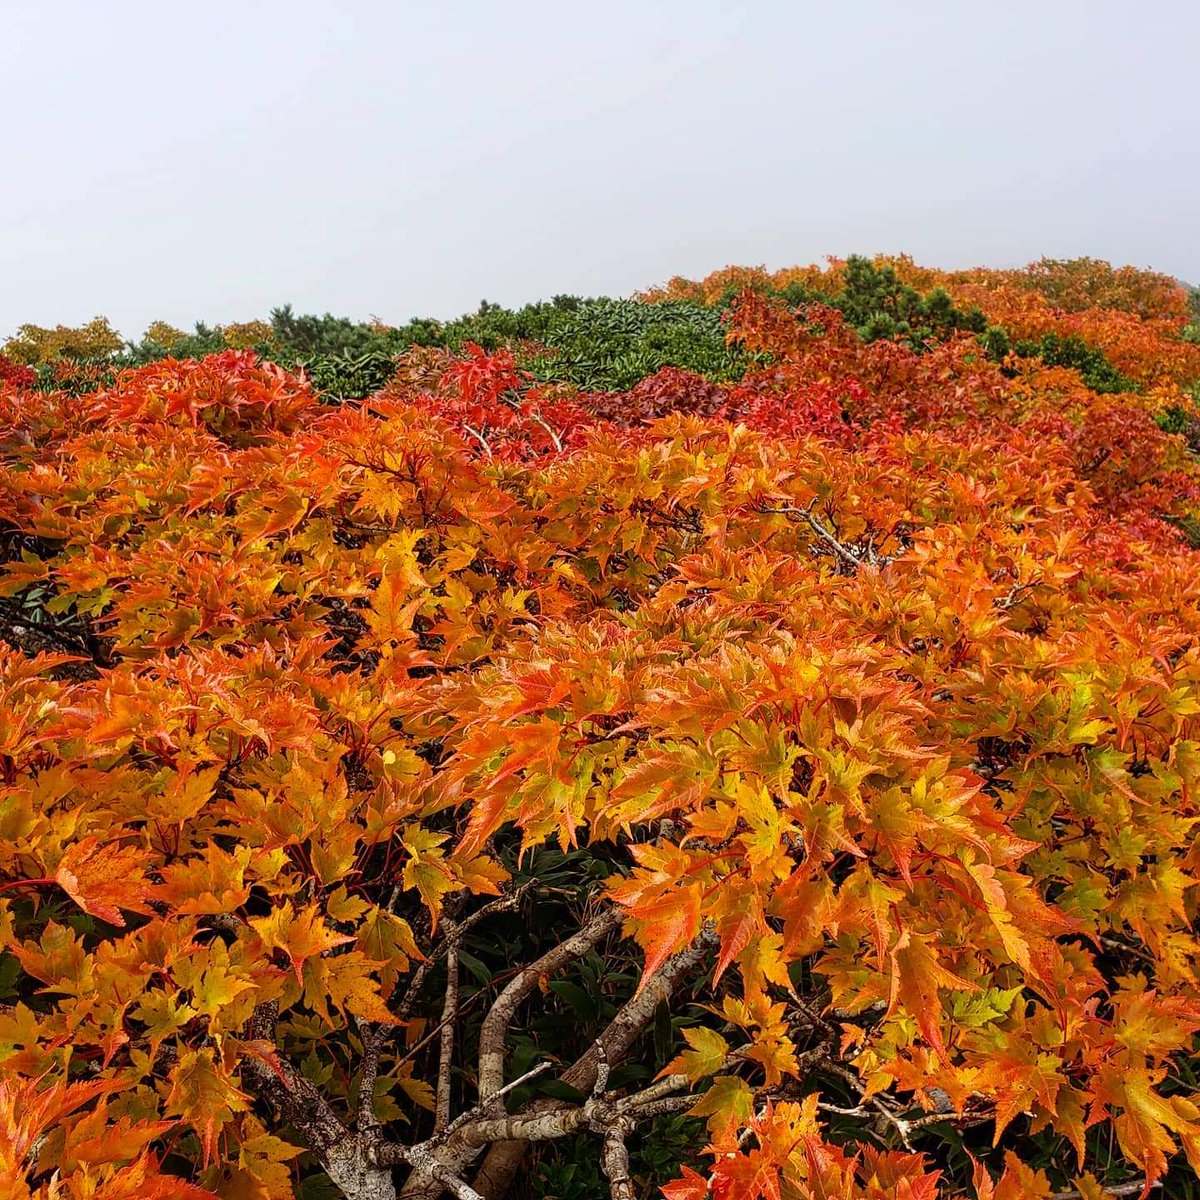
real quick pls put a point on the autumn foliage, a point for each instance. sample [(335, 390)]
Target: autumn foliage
[(393, 792)]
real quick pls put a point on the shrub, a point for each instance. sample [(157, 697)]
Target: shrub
[(774, 787), (35, 346)]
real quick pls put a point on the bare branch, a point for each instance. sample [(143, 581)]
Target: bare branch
[(1121, 1189), (615, 1159), (602, 1069), (852, 556), (479, 438), (663, 1087), (465, 1137), (503, 1160), (425, 1162), (348, 1158), (495, 1025), (538, 419), (512, 1085), (511, 900), (661, 1108), (372, 1040), (374, 1037), (449, 1014), (636, 1014), (492, 1043), (901, 1126), (294, 1098)]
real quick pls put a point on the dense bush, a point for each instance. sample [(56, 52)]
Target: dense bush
[(34, 345), (878, 304), (777, 780), (1058, 351), (606, 344), (16, 374)]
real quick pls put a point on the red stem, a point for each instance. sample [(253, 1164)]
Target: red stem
[(21, 883)]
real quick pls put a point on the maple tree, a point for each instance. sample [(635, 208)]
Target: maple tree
[(800, 762)]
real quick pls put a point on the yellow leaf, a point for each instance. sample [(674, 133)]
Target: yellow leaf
[(706, 1056)]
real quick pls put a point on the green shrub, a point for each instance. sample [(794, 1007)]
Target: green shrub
[(1072, 351), (881, 306)]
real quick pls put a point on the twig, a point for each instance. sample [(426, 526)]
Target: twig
[(1121, 1189), (478, 437), (348, 1158), (852, 557), (902, 1126), (425, 1162), (473, 1113), (503, 1160), (374, 1038), (492, 1044), (601, 1084), (537, 419)]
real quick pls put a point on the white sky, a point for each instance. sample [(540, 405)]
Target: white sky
[(211, 160)]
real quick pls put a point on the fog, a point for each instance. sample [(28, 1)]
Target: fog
[(190, 162)]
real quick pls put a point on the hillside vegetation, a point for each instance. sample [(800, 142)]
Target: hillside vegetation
[(741, 741)]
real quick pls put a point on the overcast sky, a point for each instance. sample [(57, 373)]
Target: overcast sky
[(210, 161)]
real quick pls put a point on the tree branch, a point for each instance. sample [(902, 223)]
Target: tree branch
[(494, 1033), (449, 1015), (290, 1094), (374, 1037), (348, 1158), (504, 1159), (615, 1159), (852, 556), (461, 1149), (1121, 1189)]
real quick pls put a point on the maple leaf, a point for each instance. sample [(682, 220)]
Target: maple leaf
[(388, 941), (298, 935), (27, 1110), (1018, 1182), (916, 977), (347, 983), (665, 925), (103, 879), (706, 1056), (1147, 1121), (260, 1171), (391, 614), (164, 1014), (205, 884), (204, 1095), (737, 914), (96, 1138), (426, 869), (691, 1185), (727, 1104), (1019, 1076), (140, 1180)]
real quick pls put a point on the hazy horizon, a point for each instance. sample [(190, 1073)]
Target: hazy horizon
[(381, 159)]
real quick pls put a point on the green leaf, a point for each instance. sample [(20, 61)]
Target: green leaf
[(972, 1010), (575, 997)]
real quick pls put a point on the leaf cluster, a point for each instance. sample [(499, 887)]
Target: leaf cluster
[(777, 778)]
